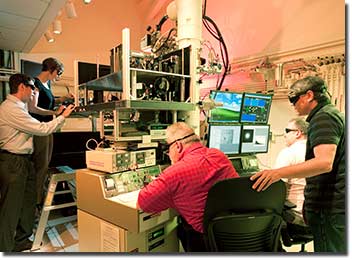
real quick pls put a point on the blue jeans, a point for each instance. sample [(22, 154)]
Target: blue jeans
[(328, 230)]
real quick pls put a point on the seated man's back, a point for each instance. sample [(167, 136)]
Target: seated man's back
[(185, 184)]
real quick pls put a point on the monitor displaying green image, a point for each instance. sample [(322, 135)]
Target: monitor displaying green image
[(229, 109)]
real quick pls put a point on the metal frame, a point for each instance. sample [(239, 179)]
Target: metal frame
[(43, 221)]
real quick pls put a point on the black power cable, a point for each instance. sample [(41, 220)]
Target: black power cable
[(164, 42), (223, 49), (215, 32), (161, 22)]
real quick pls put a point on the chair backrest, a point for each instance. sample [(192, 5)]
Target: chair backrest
[(240, 219)]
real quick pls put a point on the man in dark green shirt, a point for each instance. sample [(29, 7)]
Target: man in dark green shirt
[(324, 168)]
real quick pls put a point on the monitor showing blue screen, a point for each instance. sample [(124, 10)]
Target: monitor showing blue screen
[(255, 138), (230, 109), (255, 108), (226, 138)]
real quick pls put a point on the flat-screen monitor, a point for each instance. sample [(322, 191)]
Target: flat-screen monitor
[(255, 108), (30, 68), (225, 137), (230, 110), (255, 138)]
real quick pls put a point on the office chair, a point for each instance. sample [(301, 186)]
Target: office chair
[(292, 234), (240, 219)]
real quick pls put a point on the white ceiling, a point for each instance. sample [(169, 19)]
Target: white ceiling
[(23, 22)]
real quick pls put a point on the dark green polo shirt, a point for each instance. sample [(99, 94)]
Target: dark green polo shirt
[(326, 191)]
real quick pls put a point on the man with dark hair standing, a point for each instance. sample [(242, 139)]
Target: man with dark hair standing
[(184, 185), (17, 175), (324, 168)]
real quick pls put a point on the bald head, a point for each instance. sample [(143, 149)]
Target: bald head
[(178, 131)]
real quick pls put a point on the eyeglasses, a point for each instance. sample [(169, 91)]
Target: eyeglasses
[(287, 130), (59, 72), (29, 85), (293, 100), (179, 139)]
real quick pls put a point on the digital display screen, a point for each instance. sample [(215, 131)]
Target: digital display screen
[(230, 110), (226, 138), (255, 138), (255, 108)]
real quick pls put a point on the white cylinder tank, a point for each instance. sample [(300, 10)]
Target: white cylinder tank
[(189, 22)]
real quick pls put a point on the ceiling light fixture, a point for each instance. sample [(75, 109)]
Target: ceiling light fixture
[(70, 10), (49, 37), (87, 1), (57, 27)]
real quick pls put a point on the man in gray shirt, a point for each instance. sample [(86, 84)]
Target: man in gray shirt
[(17, 176)]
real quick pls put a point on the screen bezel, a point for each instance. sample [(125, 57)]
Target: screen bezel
[(213, 125), (211, 120), (259, 95), (267, 139)]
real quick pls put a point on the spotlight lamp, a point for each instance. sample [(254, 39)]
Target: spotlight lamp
[(48, 36), (70, 10), (57, 27)]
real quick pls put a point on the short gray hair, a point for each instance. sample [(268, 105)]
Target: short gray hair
[(301, 124)]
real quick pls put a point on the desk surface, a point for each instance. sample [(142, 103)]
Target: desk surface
[(128, 199)]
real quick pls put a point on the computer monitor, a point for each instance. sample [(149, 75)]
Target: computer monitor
[(230, 110), (255, 138), (255, 108), (225, 137), (31, 68)]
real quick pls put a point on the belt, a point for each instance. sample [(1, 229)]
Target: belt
[(27, 155)]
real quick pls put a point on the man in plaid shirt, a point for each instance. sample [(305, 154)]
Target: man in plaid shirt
[(185, 184)]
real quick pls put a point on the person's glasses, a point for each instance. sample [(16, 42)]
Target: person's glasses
[(179, 139), (287, 130), (58, 73), (29, 85), (293, 100)]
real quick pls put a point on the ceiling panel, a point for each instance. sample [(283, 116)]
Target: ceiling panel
[(18, 23), (13, 40), (23, 22), (25, 8)]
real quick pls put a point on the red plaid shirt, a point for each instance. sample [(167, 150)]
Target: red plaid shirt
[(184, 185)]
